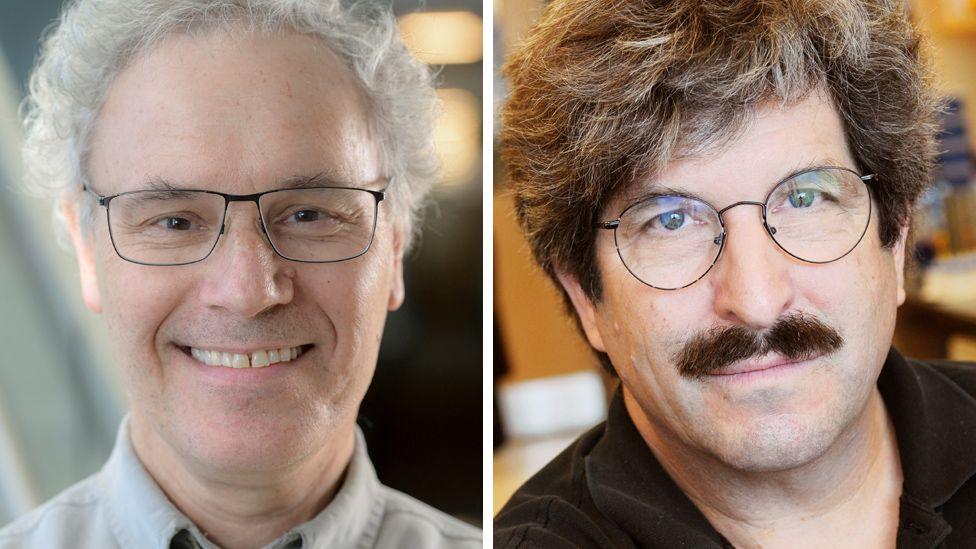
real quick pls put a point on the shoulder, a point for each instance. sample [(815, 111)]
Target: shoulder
[(408, 522), (547, 522), (552, 508), (960, 374), (73, 518)]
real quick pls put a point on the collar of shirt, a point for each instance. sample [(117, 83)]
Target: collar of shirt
[(935, 423), (141, 515)]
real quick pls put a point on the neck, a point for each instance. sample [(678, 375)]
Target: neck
[(824, 503), (244, 510)]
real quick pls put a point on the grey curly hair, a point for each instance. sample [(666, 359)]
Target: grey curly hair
[(95, 39)]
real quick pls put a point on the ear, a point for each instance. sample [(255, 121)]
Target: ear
[(81, 239), (899, 255), (396, 273), (584, 309)]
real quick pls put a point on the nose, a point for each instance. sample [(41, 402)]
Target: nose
[(245, 276), (752, 283)]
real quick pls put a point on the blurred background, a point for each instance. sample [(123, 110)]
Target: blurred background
[(60, 397), (549, 387)]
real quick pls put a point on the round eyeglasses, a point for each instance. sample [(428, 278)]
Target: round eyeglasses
[(670, 241), (169, 226)]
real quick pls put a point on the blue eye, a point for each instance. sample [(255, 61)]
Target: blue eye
[(672, 220), (802, 198)]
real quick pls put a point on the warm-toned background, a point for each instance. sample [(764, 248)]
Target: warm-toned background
[(544, 366)]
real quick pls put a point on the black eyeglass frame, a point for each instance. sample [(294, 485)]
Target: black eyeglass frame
[(721, 238), (104, 201)]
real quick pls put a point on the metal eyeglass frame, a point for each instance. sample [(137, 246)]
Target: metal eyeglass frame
[(378, 197), (721, 238)]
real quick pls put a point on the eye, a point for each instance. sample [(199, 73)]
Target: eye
[(672, 220), (802, 198), (176, 223), (305, 216)]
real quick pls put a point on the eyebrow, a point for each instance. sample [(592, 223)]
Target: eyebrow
[(164, 190), (655, 190), (320, 179)]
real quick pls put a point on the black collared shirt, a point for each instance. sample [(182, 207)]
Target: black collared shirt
[(608, 490)]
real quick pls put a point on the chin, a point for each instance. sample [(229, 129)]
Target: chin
[(777, 443), (246, 443)]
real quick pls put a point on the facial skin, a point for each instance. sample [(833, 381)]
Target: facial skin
[(239, 114), (783, 418)]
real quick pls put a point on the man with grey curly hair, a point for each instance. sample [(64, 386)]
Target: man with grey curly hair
[(722, 190), (239, 180)]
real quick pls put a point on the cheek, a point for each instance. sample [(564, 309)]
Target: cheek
[(860, 289), (857, 295), (353, 294), (647, 328), (136, 299), (655, 323)]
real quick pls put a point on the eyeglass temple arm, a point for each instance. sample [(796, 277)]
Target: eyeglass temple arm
[(102, 200)]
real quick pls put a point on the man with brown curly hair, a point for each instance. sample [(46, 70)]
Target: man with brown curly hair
[(722, 191)]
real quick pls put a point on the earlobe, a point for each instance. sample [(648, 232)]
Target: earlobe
[(81, 239), (396, 273), (584, 309), (899, 256)]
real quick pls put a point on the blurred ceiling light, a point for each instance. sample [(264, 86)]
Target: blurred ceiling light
[(443, 37), (457, 135)]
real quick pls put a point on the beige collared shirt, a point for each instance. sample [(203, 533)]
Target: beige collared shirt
[(122, 507)]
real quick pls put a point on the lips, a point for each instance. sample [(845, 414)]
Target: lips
[(257, 358), (760, 365)]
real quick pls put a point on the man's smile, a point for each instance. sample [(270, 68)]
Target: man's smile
[(257, 358), (765, 368)]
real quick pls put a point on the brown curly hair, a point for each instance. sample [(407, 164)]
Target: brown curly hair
[(603, 92)]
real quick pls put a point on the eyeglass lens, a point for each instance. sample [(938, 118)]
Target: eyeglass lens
[(817, 216), (173, 227)]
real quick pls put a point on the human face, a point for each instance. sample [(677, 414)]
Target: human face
[(762, 419), (240, 115)]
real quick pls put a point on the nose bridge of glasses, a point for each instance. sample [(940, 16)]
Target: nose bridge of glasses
[(236, 239), (747, 264), (762, 213), (722, 238), (762, 206), (254, 198)]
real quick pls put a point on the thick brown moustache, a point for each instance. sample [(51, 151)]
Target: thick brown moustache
[(796, 336)]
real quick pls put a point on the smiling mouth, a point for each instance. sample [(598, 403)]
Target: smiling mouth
[(257, 359), (759, 368)]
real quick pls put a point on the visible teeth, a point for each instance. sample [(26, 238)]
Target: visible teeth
[(257, 359)]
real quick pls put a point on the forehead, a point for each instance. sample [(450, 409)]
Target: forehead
[(775, 142), (232, 111)]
